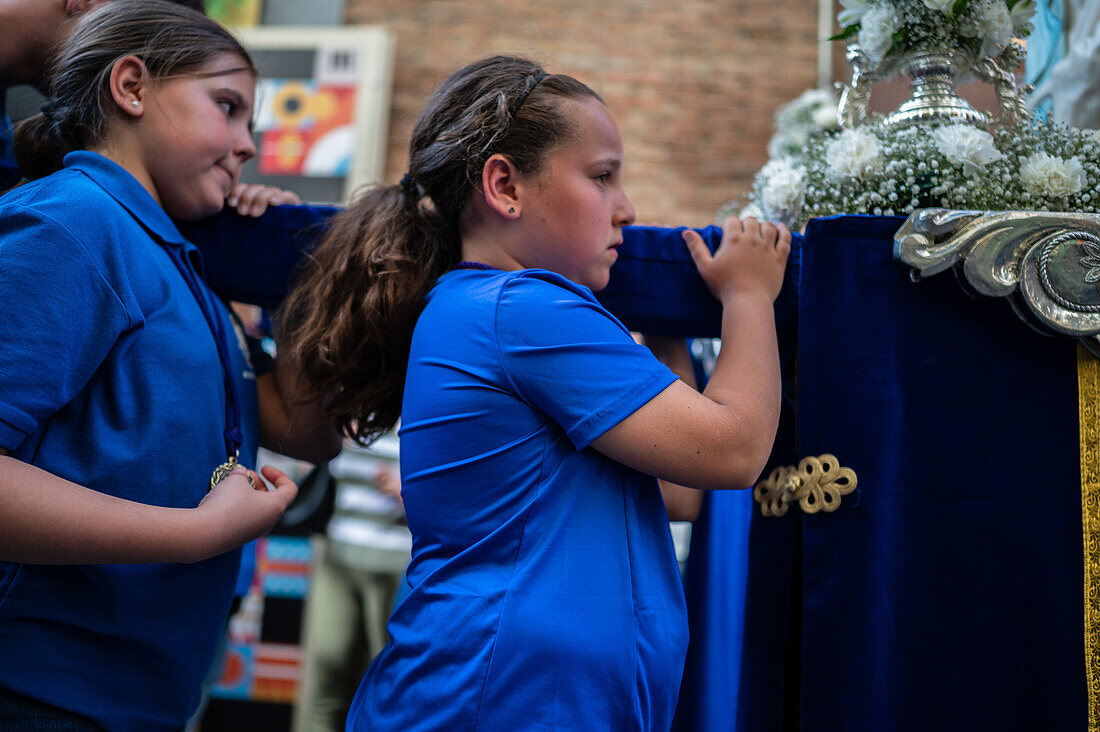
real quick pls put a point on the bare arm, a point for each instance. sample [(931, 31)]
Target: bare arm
[(290, 426), (722, 437), (45, 519)]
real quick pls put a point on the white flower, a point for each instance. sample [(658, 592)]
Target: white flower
[(1051, 176), (877, 30), (944, 6), (853, 154), (752, 210), (800, 117), (967, 146), (991, 22), (1021, 15), (852, 13), (825, 116), (786, 145), (813, 111), (782, 189)]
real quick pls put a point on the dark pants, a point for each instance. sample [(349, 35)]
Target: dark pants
[(20, 714)]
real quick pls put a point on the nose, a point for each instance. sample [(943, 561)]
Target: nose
[(624, 212), (243, 146)]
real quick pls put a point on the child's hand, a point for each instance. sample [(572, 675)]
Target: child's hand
[(234, 512), (388, 483), (252, 199), (750, 259)]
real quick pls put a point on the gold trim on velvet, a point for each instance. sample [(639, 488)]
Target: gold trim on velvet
[(816, 484), (1088, 403)]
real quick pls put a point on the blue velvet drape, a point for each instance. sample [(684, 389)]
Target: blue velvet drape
[(948, 593)]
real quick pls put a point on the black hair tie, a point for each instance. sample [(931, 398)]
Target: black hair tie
[(50, 110), (412, 190), (526, 92)]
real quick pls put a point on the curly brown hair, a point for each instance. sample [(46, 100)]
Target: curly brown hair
[(348, 322)]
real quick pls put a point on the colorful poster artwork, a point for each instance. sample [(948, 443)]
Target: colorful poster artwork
[(253, 667), (305, 128), (235, 13)]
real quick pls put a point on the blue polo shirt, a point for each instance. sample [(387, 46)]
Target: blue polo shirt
[(545, 592), (110, 378)]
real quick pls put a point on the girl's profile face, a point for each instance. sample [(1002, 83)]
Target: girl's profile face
[(578, 208), (195, 134)]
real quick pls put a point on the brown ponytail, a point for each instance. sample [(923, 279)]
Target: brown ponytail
[(348, 323), (39, 147)]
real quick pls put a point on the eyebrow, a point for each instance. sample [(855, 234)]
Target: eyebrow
[(224, 72), (615, 163)]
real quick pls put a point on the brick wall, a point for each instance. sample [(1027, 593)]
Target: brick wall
[(693, 84)]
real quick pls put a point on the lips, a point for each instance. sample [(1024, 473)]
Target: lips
[(228, 175)]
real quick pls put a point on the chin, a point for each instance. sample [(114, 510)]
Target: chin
[(598, 284), (195, 210)]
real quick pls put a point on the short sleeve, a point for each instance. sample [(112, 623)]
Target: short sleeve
[(566, 355), (60, 320)]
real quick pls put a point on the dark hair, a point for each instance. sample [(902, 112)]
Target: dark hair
[(348, 323), (171, 38)]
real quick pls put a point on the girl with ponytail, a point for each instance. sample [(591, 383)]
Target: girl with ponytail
[(544, 587), (129, 410)]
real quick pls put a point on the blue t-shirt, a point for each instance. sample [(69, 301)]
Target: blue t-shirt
[(545, 591), (110, 378)]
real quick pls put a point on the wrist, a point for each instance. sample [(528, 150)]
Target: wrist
[(735, 298), (194, 535)]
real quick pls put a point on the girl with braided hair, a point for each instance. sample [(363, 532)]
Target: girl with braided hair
[(544, 590)]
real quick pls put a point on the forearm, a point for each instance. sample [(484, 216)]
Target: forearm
[(290, 425), (746, 376), (45, 519)]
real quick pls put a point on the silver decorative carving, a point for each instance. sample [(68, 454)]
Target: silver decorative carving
[(998, 71), (933, 95), (1047, 263), (854, 97), (933, 80)]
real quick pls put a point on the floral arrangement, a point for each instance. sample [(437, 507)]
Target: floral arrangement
[(885, 169), (876, 169), (887, 28), (812, 112)]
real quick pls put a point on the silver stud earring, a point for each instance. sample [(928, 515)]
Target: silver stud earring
[(135, 103)]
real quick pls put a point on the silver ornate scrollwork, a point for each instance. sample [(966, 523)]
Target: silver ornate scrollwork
[(998, 71), (933, 94), (1047, 263), (854, 97), (933, 78)]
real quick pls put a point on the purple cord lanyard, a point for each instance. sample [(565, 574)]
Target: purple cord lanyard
[(232, 433)]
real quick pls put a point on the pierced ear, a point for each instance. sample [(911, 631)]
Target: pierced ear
[(498, 183), (129, 84)]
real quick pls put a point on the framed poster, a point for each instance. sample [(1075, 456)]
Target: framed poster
[(322, 108)]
